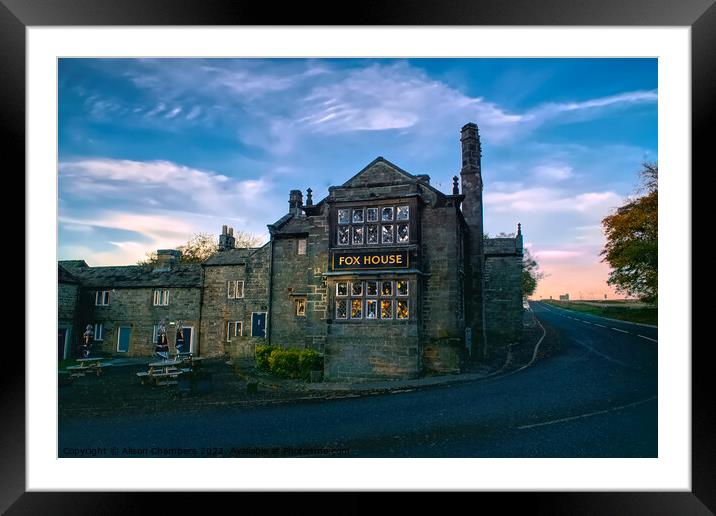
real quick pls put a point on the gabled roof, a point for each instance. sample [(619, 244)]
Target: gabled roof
[(134, 276), (381, 171), (231, 256)]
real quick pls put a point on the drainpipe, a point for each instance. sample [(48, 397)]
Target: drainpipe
[(201, 305)]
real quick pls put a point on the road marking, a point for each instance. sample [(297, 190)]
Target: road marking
[(599, 353), (588, 414), (617, 329), (647, 338), (585, 322), (600, 325)]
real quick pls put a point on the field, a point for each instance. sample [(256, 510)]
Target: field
[(632, 311)]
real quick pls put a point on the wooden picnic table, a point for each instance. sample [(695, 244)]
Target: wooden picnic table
[(163, 372), (87, 365)]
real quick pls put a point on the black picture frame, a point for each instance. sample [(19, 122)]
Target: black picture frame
[(700, 15)]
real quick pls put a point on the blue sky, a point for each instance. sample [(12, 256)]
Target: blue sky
[(154, 150)]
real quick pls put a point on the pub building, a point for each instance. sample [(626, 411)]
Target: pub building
[(387, 276)]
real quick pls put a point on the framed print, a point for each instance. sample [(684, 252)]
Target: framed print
[(145, 125)]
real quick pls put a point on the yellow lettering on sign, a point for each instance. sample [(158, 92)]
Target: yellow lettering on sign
[(341, 260), (399, 258)]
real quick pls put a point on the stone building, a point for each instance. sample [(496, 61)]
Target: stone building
[(125, 304), (67, 296), (387, 276)]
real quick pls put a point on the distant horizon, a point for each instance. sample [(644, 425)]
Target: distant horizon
[(152, 151)]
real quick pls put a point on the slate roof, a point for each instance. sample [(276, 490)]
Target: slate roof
[(134, 276), (63, 276), (290, 225), (231, 256)]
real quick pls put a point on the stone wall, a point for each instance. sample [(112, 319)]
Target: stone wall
[(133, 307), (442, 308), (67, 296), (503, 291), (218, 309), (372, 350)]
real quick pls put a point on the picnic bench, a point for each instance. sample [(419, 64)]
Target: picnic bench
[(87, 365), (164, 372)]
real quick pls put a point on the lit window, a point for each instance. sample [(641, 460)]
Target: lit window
[(401, 288), (401, 213), (386, 308), (386, 288), (161, 297), (301, 307), (235, 289), (356, 309), (401, 309), (302, 246), (342, 288), (101, 298)]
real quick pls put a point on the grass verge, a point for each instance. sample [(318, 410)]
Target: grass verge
[(643, 314)]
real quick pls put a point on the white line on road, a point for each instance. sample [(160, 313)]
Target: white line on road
[(600, 325), (617, 329), (600, 354), (588, 414), (585, 322), (647, 338)]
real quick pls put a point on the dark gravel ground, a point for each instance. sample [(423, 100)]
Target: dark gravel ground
[(118, 390)]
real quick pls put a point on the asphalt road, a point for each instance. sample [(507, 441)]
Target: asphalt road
[(596, 398)]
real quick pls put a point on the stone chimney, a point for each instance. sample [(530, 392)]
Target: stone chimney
[(471, 179), (295, 202), (226, 239), (167, 259), (423, 178)]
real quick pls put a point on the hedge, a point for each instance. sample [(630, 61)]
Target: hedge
[(288, 363)]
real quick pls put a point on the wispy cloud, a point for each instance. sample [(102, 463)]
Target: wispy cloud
[(541, 200)]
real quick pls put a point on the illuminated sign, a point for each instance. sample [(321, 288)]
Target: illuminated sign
[(370, 260)]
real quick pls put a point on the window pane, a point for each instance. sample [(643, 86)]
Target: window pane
[(401, 213), (300, 307), (358, 216), (386, 288), (357, 289), (372, 237), (386, 233), (237, 329), (239, 289), (372, 215), (341, 311), (342, 288), (401, 309), (229, 331), (401, 288), (344, 216), (231, 290), (371, 288), (371, 309), (403, 236), (386, 213), (358, 235), (343, 235), (356, 308), (386, 309), (302, 246)]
